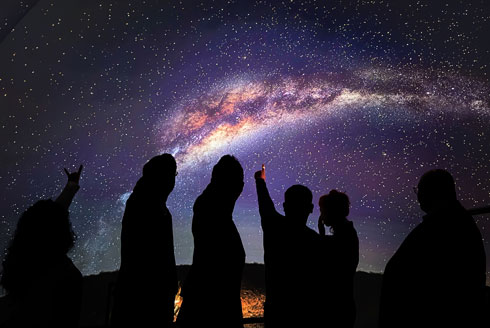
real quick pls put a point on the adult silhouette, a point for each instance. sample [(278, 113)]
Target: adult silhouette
[(340, 255), (212, 287), (437, 276), (147, 280), (290, 249), (44, 287)]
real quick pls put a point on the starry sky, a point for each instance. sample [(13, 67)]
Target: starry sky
[(359, 96)]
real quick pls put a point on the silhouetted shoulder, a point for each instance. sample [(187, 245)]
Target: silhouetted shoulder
[(311, 235), (200, 203), (347, 228)]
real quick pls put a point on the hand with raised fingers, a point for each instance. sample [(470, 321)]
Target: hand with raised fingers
[(71, 188), (74, 176)]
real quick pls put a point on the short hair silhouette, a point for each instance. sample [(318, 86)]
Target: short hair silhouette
[(228, 170), (298, 194), (43, 232), (438, 183), (160, 166), (435, 186), (336, 203), (298, 201)]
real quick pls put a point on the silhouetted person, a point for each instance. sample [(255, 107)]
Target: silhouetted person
[(289, 257), (437, 276), (339, 258), (147, 281), (44, 287), (212, 288)]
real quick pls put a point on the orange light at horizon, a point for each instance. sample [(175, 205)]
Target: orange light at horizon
[(252, 303)]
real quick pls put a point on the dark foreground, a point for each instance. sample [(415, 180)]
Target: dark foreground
[(96, 301)]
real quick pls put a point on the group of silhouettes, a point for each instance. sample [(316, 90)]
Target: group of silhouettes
[(435, 279)]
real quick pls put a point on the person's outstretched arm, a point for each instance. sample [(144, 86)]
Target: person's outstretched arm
[(266, 205), (71, 188)]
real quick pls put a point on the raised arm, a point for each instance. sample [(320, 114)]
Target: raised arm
[(266, 206), (70, 189)]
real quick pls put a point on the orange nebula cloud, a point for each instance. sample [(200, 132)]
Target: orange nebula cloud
[(233, 113)]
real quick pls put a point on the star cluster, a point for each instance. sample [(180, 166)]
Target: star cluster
[(360, 96)]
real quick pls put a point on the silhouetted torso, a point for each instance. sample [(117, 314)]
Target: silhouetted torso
[(51, 299), (437, 276), (290, 249), (339, 257), (212, 288), (147, 280)]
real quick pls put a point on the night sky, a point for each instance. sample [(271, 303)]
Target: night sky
[(363, 97)]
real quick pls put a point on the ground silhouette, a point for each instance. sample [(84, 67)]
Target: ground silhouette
[(96, 291)]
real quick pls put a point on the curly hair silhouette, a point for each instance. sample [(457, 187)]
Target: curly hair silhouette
[(43, 234)]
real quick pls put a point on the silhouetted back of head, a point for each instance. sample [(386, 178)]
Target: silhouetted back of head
[(335, 203), (161, 170), (43, 234), (436, 187), (160, 166), (298, 202), (228, 173)]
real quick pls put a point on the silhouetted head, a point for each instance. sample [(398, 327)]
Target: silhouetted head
[(227, 176), (43, 235), (298, 203), (161, 170), (334, 208), (436, 189)]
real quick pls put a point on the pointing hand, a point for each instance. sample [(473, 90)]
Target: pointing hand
[(260, 174)]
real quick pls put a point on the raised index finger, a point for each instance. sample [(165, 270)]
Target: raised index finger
[(66, 171), (80, 169)]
